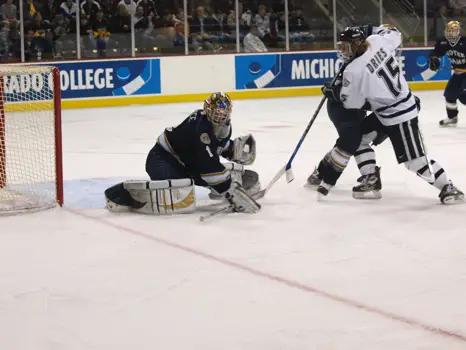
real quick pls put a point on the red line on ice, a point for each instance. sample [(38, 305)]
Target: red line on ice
[(290, 283)]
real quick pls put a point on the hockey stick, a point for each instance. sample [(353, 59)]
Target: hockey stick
[(215, 213), (286, 169)]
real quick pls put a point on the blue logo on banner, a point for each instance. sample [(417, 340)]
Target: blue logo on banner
[(257, 71), (93, 79), (417, 67), (285, 70)]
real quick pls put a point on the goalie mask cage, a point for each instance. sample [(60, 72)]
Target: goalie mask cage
[(30, 139)]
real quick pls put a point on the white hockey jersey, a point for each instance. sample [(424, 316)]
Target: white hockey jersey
[(375, 77)]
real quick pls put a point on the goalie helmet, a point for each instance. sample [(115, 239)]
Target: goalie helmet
[(453, 32), (218, 108), (351, 40)]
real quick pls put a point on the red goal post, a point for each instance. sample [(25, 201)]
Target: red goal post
[(31, 166)]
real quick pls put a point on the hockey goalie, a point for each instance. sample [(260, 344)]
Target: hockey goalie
[(188, 155)]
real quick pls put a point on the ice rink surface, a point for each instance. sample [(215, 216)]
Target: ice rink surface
[(300, 275)]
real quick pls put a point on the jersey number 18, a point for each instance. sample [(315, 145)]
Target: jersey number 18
[(390, 74)]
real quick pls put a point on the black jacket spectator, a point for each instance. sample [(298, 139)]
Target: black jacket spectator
[(90, 8), (148, 7), (220, 23)]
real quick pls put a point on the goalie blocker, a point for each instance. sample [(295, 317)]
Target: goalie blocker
[(166, 197)]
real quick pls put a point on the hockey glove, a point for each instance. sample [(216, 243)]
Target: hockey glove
[(367, 29), (240, 200), (244, 150), (434, 63), (418, 103), (332, 92)]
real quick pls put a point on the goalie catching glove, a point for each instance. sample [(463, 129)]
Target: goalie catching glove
[(240, 200), (244, 150)]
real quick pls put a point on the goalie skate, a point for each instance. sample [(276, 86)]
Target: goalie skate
[(451, 195), (369, 187)]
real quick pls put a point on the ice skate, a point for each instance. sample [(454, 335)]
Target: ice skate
[(449, 122), (369, 187), (323, 190), (451, 195), (314, 179)]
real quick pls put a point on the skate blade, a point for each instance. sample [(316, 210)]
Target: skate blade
[(450, 125), (367, 195), (454, 199)]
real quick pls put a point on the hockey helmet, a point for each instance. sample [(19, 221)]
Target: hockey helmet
[(218, 108), (453, 32), (350, 41)]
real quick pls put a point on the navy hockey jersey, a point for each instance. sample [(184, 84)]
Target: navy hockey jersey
[(195, 146), (456, 54)]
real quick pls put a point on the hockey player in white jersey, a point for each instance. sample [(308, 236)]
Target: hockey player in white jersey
[(373, 80)]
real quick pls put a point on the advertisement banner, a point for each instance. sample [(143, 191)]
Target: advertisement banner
[(314, 69), (416, 66), (91, 79)]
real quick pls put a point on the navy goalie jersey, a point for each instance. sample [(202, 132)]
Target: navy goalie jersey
[(195, 146), (456, 54)]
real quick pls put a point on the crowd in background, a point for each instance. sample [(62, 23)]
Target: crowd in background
[(104, 26)]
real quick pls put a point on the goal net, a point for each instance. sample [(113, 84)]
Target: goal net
[(30, 139)]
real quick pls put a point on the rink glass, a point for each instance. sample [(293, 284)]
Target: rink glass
[(67, 30)]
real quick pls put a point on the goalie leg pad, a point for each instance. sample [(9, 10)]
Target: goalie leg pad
[(163, 197), (118, 200)]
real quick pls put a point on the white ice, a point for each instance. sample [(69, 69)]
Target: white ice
[(301, 274)]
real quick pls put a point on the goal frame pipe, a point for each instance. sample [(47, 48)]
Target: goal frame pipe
[(58, 135), (2, 136)]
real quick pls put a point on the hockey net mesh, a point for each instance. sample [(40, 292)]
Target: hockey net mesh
[(28, 168)]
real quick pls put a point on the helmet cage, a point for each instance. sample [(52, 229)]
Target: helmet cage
[(453, 32), (217, 108)]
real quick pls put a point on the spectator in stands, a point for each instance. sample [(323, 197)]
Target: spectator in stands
[(85, 29), (8, 11), (458, 7), (299, 29), (220, 26), (60, 30), (4, 41), (43, 34), (68, 10), (89, 8), (148, 7), (252, 42), (100, 33), (30, 49), (30, 10), (144, 28), (262, 21), (201, 29), (130, 8), (121, 29)]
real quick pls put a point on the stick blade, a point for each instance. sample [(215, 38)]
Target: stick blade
[(289, 175)]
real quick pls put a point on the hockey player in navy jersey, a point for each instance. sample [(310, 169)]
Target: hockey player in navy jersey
[(373, 80), (454, 46), (187, 155)]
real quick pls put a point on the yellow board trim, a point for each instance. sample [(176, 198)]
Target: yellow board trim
[(235, 95)]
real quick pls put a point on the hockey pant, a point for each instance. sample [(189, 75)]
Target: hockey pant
[(348, 125), (454, 91), (408, 145)]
